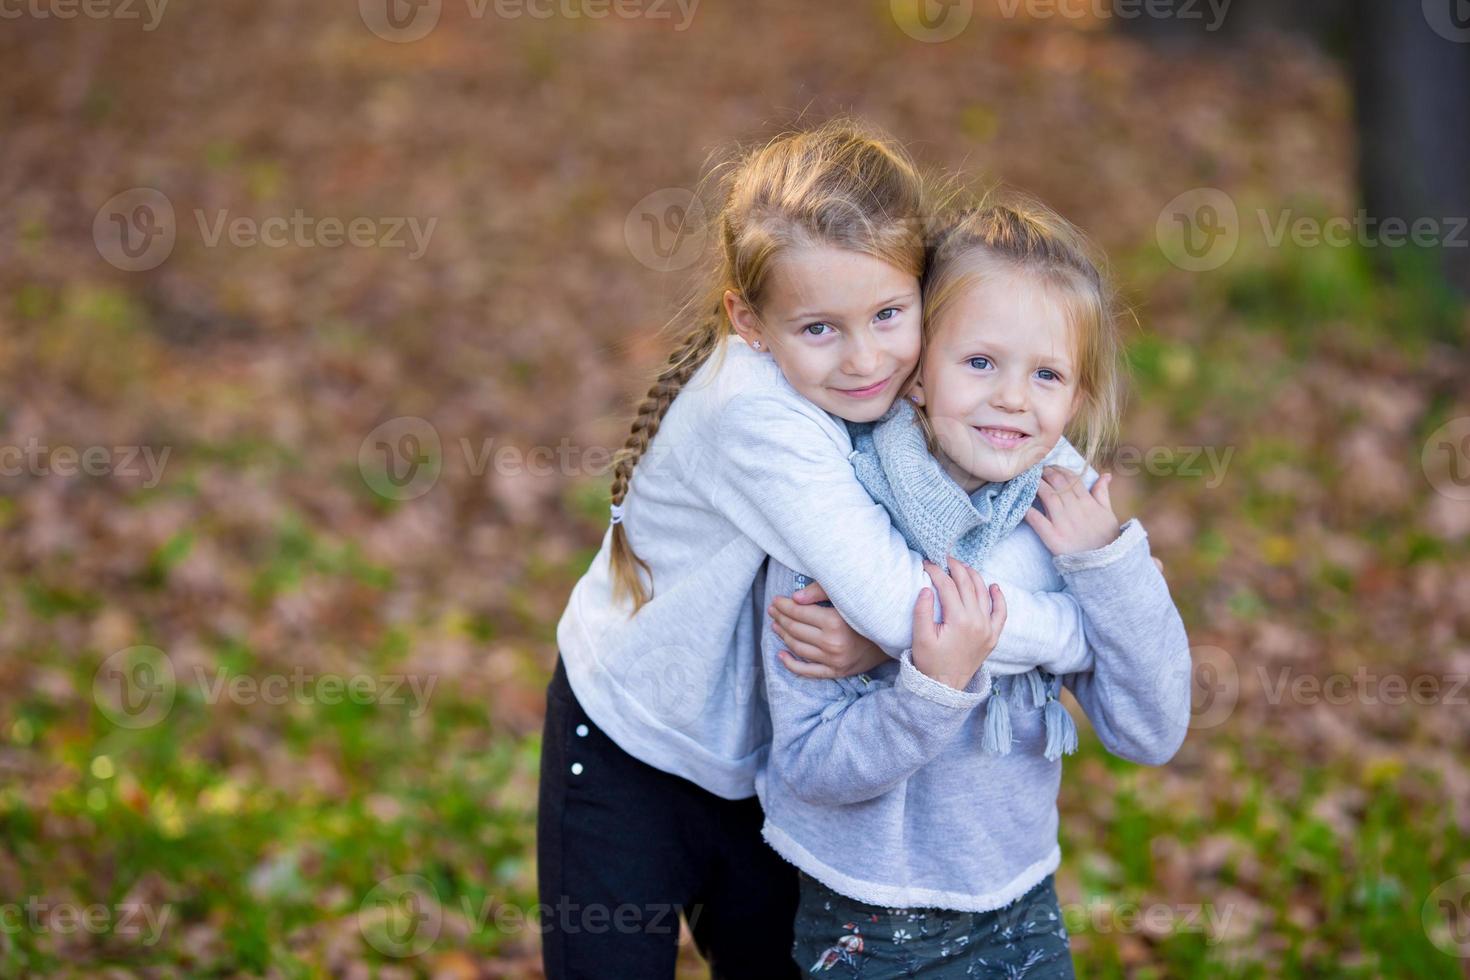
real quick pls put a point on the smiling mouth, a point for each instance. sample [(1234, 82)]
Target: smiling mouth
[(867, 392), (1001, 437)]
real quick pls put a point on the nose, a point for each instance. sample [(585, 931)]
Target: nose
[(860, 359), (1011, 393)]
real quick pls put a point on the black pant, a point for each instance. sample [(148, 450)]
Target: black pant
[(623, 849)]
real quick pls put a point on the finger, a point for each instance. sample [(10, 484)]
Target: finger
[(792, 629), (982, 594), (1072, 480), (997, 609), (822, 617), (963, 582), (1102, 490), (813, 671), (1039, 522), (810, 653), (944, 587), (811, 594), (924, 615)]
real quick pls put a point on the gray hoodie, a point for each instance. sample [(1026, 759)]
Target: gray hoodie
[(877, 785)]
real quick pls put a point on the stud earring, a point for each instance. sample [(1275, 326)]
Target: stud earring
[(756, 345)]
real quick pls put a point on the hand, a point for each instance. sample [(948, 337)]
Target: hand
[(827, 646), (1075, 520), (950, 652)]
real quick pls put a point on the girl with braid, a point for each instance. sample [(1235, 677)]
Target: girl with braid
[(657, 721)]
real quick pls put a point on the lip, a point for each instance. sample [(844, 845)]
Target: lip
[(867, 392), (990, 434)]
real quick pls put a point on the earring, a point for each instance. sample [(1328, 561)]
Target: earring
[(756, 345)]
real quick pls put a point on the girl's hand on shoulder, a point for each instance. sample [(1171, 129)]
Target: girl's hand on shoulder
[(974, 614), (827, 645), (1075, 520)]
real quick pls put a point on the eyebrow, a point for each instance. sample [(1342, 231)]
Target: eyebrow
[(819, 315)]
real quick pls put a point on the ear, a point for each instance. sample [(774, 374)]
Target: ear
[(916, 391), (742, 317)]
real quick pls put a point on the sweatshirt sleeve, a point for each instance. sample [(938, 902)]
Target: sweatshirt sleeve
[(1137, 694), (836, 742), (782, 478)]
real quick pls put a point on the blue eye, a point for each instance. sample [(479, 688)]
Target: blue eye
[(892, 312), (810, 325), (979, 367), (1053, 376)]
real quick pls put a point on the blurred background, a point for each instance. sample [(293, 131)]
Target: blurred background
[(320, 321)]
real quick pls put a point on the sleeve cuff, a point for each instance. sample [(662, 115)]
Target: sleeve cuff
[(920, 683), (1131, 534)]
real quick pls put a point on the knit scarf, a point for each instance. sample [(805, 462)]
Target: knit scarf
[(938, 519)]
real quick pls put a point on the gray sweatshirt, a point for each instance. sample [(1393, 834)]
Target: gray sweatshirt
[(743, 467), (877, 786)]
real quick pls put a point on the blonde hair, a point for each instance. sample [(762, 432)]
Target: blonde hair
[(1012, 234), (839, 184)]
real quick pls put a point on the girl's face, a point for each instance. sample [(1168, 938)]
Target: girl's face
[(843, 326), (998, 381)]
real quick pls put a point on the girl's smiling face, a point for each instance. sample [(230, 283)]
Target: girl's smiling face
[(843, 326), (998, 381)]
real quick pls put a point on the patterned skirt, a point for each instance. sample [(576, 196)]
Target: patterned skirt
[(837, 936)]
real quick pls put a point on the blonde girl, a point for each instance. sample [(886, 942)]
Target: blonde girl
[(919, 798)]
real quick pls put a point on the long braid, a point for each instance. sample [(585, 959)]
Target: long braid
[(686, 359)]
